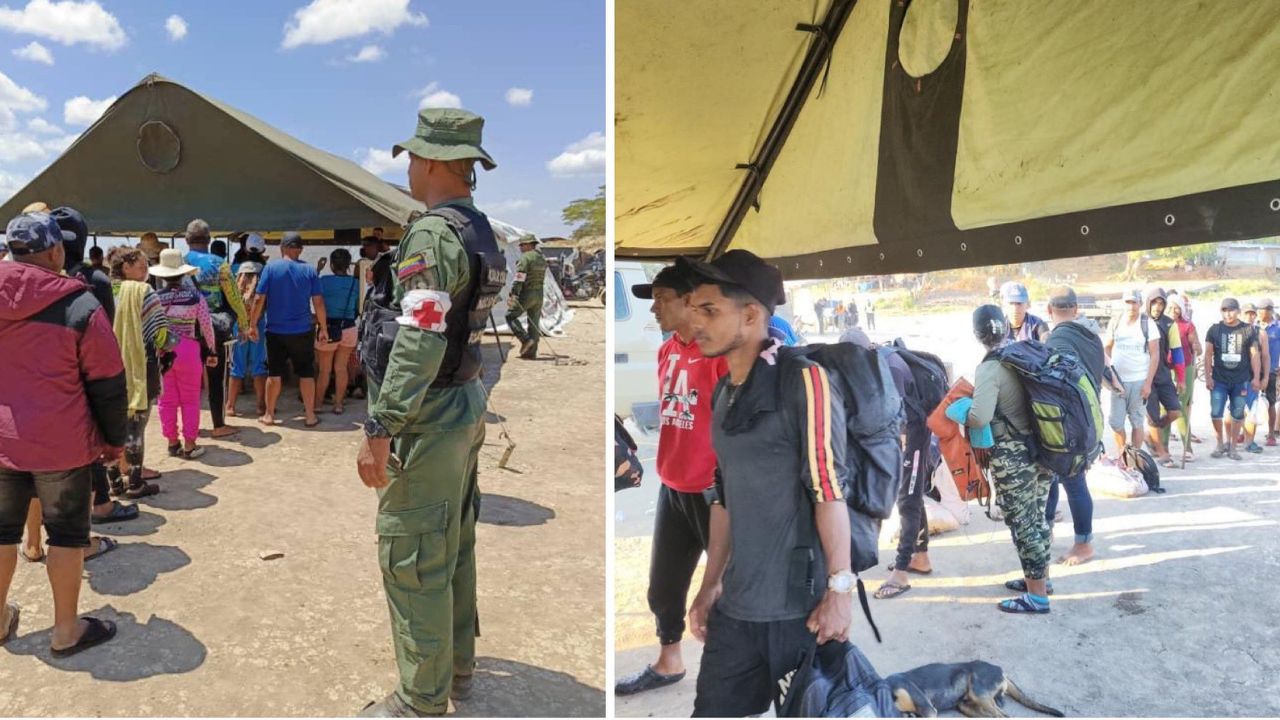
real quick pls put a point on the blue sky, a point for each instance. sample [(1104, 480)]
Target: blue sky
[(347, 76)]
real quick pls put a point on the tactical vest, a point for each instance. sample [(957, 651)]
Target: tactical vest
[(468, 313)]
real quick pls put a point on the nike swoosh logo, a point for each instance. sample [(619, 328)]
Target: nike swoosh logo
[(695, 361)]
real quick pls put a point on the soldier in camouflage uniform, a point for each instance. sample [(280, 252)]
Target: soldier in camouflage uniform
[(526, 296), (1021, 485), (419, 343)]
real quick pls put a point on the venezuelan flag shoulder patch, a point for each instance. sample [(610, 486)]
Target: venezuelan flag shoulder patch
[(415, 263)]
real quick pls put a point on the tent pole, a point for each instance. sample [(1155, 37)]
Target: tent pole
[(815, 60)]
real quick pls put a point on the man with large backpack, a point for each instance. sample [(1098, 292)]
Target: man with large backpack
[(779, 437), (1021, 484)]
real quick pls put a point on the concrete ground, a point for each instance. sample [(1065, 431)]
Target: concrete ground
[(209, 628), (1175, 616)]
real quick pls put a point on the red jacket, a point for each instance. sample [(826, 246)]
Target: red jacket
[(62, 385)]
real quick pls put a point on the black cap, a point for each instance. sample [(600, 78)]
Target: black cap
[(1063, 297), (747, 271), (675, 277), (1230, 304), (70, 220), (291, 239)]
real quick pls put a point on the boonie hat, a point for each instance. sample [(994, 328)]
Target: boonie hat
[(291, 239), (171, 264), (746, 270), (674, 277), (1014, 292), (529, 239), (447, 134), (35, 232)]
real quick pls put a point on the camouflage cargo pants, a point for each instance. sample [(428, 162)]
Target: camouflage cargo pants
[(1022, 489)]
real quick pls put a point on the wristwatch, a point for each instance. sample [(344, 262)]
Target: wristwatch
[(841, 582), (375, 429)]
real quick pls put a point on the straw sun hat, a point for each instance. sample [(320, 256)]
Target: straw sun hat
[(171, 264)]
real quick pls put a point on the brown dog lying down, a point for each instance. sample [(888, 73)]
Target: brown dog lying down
[(976, 689)]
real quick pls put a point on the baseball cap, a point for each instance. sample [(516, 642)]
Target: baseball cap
[(1267, 304), (255, 242), (291, 239), (1063, 297), (35, 232), (675, 277), (1249, 306), (1133, 296), (747, 271), (1014, 292), (70, 220), (1230, 304)]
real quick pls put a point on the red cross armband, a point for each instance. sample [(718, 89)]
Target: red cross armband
[(425, 310)]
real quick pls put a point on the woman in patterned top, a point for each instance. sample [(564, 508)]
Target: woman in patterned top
[(189, 320)]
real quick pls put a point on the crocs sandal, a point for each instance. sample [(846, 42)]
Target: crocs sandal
[(1023, 605), (98, 632), (889, 590), (105, 545), (119, 513), (144, 490), (11, 632), (1020, 585), (646, 679)]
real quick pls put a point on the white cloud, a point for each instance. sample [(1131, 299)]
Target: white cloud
[(380, 162), (433, 96), (80, 110), (35, 52), (59, 144), (507, 206), (10, 184), (17, 98), (324, 21), (520, 97), (42, 126), (67, 22), (585, 157), (176, 27), (15, 147), (368, 53)]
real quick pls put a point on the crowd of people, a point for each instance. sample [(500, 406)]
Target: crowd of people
[(91, 346), (837, 315), (734, 402)]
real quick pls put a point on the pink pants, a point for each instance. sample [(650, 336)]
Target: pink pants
[(182, 392)]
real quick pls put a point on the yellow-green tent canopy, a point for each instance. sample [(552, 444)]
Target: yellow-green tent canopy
[(163, 154), (840, 138)]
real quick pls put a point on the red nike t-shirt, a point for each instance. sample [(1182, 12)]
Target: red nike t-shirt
[(686, 461)]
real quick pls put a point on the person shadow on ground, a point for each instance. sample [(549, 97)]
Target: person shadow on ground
[(506, 688)]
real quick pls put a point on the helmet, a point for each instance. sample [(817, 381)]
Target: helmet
[(989, 325)]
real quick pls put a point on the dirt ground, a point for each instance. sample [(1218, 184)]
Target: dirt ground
[(208, 628), (1175, 617)]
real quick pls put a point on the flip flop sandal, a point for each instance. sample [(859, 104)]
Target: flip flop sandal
[(11, 632), (119, 513), (153, 474), (1218, 452), (30, 560), (311, 424), (1022, 605), (144, 490), (105, 545), (338, 410), (909, 569), (1020, 585), (888, 590), (1168, 462), (646, 679), (98, 632)]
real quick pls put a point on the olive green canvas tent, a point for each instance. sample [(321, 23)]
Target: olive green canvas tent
[(845, 138), (163, 154)]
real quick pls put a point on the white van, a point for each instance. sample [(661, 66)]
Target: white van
[(636, 339)]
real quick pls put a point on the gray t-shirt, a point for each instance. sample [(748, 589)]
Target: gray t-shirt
[(770, 473)]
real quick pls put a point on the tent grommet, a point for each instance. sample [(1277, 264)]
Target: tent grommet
[(1169, 219), (1017, 239), (848, 259), (964, 247), (1084, 229), (882, 256), (919, 253), (819, 262), (1275, 204)]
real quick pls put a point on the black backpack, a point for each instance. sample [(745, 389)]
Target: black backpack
[(1139, 459), (930, 381)]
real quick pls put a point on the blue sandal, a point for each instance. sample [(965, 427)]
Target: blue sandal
[(1020, 585), (1023, 604)]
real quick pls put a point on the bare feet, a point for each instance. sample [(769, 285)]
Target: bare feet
[(224, 431), (1079, 554), (230, 411), (267, 419)]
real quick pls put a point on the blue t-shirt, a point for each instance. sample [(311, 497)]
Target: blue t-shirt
[(289, 286), (1273, 342), (340, 295)]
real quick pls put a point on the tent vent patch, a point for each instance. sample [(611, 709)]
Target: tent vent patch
[(159, 147)]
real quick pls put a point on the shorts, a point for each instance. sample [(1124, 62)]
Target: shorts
[(1128, 405), (65, 500), (348, 340), (249, 359), (1163, 394), (1238, 393), (743, 661), (298, 349)]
